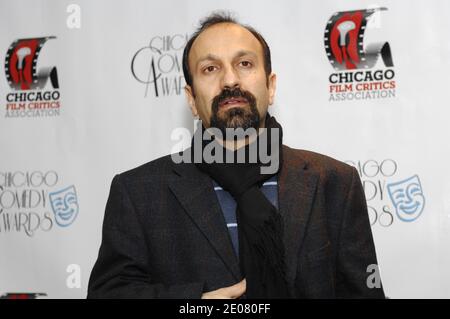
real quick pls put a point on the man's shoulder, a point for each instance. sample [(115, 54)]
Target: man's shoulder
[(319, 163), (160, 168), (154, 169)]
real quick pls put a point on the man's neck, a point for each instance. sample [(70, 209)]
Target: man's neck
[(237, 144)]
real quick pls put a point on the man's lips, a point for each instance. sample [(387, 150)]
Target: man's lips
[(233, 102)]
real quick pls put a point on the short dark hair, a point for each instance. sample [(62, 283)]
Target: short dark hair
[(216, 18)]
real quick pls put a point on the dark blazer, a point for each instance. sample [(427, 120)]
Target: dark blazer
[(164, 235)]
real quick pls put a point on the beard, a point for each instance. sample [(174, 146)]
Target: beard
[(237, 117)]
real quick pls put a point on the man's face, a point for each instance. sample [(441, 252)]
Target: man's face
[(230, 86)]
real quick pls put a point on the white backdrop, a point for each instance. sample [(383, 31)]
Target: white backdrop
[(56, 165)]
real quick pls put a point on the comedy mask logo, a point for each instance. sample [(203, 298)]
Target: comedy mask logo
[(21, 65), (28, 81), (407, 197), (64, 205), (390, 197), (158, 65), (35, 201), (353, 57)]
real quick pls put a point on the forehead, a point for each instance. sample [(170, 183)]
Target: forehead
[(224, 40)]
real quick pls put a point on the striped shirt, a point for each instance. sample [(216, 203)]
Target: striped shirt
[(228, 205)]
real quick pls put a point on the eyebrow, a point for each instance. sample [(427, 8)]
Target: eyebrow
[(212, 57)]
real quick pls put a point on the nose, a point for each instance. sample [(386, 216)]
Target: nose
[(66, 206), (230, 77), (409, 198)]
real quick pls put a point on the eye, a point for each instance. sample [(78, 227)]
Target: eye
[(399, 195), (246, 64), (209, 69)]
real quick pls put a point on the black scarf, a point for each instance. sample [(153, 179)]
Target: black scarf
[(260, 226)]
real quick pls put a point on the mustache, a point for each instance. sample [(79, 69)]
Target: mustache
[(232, 93)]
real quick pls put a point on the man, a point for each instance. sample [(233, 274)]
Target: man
[(225, 229)]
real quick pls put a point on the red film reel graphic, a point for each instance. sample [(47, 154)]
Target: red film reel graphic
[(22, 295), (344, 41), (21, 65)]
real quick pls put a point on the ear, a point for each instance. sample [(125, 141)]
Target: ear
[(272, 87), (191, 100)]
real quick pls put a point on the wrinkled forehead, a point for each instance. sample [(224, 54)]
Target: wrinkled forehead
[(223, 40)]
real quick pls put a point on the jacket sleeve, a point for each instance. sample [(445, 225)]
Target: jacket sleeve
[(122, 269), (356, 248)]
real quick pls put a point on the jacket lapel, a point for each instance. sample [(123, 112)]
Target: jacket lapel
[(296, 190), (195, 192)]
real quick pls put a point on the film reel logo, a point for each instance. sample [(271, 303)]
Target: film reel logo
[(22, 295), (21, 65), (344, 41)]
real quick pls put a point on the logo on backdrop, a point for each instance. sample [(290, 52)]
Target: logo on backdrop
[(407, 197), (64, 205), (353, 56), (28, 81), (390, 196), (33, 201), (158, 65), (22, 295)]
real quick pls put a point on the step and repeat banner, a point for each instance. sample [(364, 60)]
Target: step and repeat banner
[(89, 89)]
